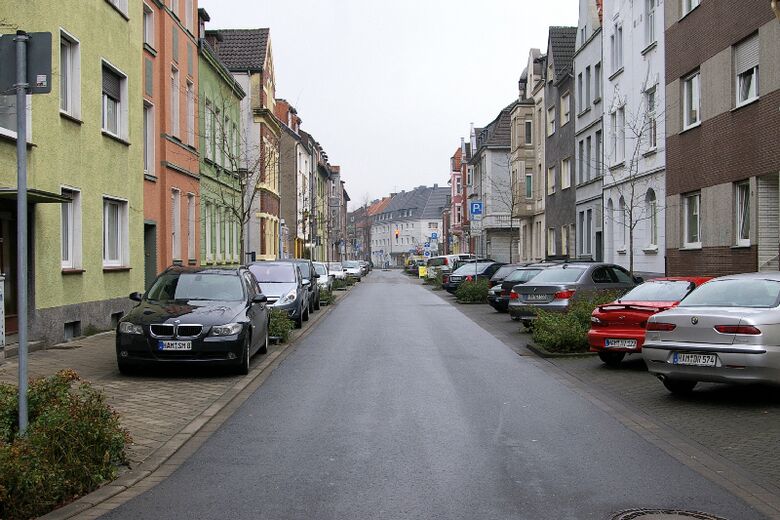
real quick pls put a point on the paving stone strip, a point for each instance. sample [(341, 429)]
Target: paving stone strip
[(161, 412)]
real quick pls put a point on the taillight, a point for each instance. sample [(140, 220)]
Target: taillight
[(446, 262), (563, 295), (737, 329), (596, 320), (513, 295), (445, 279), (663, 327), (469, 278)]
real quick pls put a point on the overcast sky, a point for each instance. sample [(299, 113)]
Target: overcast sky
[(389, 87)]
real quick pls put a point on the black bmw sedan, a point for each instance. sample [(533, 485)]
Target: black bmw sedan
[(195, 315)]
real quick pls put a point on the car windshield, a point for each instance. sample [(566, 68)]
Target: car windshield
[(196, 286), (321, 269), (474, 267), (435, 262), (522, 275), (561, 275), (504, 271), (738, 292), (351, 264), (335, 267), (659, 291), (273, 273)]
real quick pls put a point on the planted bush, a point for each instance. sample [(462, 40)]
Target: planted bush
[(339, 285), (280, 325), (473, 291), (326, 296), (73, 444), (568, 332)]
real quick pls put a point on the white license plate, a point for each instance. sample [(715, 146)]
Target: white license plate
[(174, 345), (620, 343), (537, 297), (698, 360)]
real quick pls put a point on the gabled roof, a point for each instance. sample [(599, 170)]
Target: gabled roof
[(561, 45), (378, 206), (242, 49), (426, 202), (497, 134)]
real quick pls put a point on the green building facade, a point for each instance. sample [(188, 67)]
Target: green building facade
[(85, 169)]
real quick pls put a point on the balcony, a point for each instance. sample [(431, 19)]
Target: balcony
[(525, 208), (498, 221)]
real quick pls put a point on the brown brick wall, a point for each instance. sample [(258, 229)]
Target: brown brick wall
[(730, 147), (711, 261), (269, 203), (710, 28)]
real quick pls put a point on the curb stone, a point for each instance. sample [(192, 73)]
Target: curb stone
[(168, 457), (539, 351)]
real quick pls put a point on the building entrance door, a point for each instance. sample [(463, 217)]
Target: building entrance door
[(8, 268)]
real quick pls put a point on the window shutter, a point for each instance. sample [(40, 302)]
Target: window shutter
[(110, 84), (746, 55)]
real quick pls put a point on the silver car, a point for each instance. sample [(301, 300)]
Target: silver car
[(725, 331)]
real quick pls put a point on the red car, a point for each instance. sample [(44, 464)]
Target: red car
[(618, 328)]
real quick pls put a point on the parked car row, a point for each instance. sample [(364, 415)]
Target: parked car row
[(687, 329), (220, 315)]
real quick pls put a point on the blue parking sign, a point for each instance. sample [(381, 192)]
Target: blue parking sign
[(434, 235), (475, 208)]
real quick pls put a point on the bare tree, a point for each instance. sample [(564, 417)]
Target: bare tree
[(506, 196)]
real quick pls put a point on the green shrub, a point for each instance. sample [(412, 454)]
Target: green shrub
[(280, 325), (339, 284), (326, 296), (568, 332), (473, 291), (73, 444)]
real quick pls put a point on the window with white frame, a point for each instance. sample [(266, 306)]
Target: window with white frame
[(551, 241), (175, 101), (588, 164), (588, 230), (469, 176), (742, 213), (209, 117), (564, 240), (148, 26), (746, 70), (581, 161), (218, 232), (692, 220), (115, 237), (228, 233), (616, 47), (175, 7), (689, 5), (599, 151), (188, 15), (220, 137), (587, 90), (458, 213), (613, 136), (236, 226), (623, 221), (528, 132), (191, 226), (209, 221), (71, 229), (597, 81), (149, 168), (580, 92), (580, 235), (621, 134), (529, 185), (691, 100), (121, 5), (551, 121), (70, 75), (565, 173), (8, 115), (458, 186), (565, 108), (649, 21), (190, 113), (651, 124), (176, 223), (652, 217), (114, 101), (551, 180)]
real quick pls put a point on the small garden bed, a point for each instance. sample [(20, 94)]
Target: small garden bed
[(280, 326), (473, 291)]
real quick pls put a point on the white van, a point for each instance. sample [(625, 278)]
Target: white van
[(444, 263)]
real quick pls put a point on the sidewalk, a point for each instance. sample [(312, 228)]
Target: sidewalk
[(162, 411)]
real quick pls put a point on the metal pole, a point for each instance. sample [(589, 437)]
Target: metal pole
[(21, 217)]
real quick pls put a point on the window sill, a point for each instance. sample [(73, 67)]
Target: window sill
[(116, 268), (649, 47), (72, 270), (150, 177), (12, 139), (115, 137), (651, 151), (118, 10), (148, 48), (697, 124), (621, 251), (597, 100), (691, 247), (584, 112), (741, 246), (689, 12), (745, 103), (71, 118), (192, 261), (616, 74), (617, 166), (650, 250)]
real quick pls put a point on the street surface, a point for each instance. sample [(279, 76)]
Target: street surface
[(399, 406)]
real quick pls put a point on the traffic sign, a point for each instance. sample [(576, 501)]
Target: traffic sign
[(475, 208), (427, 245), (427, 254), (434, 235)]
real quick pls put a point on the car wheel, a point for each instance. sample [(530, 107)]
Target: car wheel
[(317, 303), (679, 386), (299, 319), (612, 359), (264, 347), (306, 313), (125, 368), (243, 367)]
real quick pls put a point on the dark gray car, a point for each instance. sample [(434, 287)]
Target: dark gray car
[(284, 287), (554, 288), (308, 272)]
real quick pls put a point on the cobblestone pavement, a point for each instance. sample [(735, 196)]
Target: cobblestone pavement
[(738, 423)]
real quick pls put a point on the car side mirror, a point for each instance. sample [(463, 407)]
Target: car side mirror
[(316, 275), (136, 296), (639, 279), (260, 298), (305, 282)]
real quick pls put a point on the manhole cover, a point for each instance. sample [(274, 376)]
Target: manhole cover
[(663, 514)]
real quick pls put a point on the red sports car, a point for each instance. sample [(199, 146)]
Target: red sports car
[(618, 328)]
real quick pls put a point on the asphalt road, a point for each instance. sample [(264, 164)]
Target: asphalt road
[(398, 406)]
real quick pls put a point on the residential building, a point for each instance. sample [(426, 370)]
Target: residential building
[(85, 167), (722, 124), (634, 163), (533, 239), (529, 199), (405, 223), (321, 208), (589, 132), (560, 109), (337, 215), (171, 135), (247, 55), (457, 199), (222, 205), (496, 231), (376, 207), (358, 234)]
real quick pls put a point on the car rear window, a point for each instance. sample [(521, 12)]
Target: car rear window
[(304, 267), (274, 273), (562, 275), (474, 267), (435, 262), (504, 271), (196, 286), (522, 275), (321, 269), (659, 291), (739, 292), (351, 264)]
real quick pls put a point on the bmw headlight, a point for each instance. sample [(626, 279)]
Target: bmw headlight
[(230, 329), (287, 298), (126, 327)]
